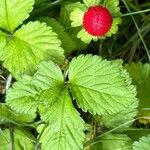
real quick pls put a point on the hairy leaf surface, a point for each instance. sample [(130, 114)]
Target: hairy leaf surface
[(29, 45), (100, 86), (124, 118), (142, 144), (14, 12), (65, 128), (40, 91)]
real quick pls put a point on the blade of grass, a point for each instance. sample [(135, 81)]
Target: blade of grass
[(4, 135), (93, 141), (136, 25), (136, 12)]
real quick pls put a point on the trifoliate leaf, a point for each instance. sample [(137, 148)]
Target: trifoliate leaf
[(29, 45), (142, 144), (22, 140), (113, 142), (65, 128), (67, 43), (9, 116), (14, 12), (40, 91), (100, 86), (123, 118), (140, 74)]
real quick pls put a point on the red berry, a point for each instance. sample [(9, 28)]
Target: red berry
[(97, 20)]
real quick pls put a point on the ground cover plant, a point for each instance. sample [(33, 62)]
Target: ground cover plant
[(74, 75)]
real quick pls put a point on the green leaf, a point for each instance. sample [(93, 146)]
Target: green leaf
[(9, 116), (22, 140), (21, 97), (40, 91), (67, 43), (66, 11), (3, 41), (113, 7), (14, 12), (65, 21), (28, 46), (125, 117), (77, 17), (65, 128), (100, 86), (140, 74), (113, 142), (142, 144), (90, 3)]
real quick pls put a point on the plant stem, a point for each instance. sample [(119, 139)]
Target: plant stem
[(8, 82)]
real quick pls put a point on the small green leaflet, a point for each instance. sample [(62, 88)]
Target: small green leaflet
[(100, 86), (65, 128), (142, 144), (14, 12)]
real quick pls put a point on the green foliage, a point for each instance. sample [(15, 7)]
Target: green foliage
[(125, 117), (23, 49), (142, 144), (100, 86), (65, 127), (22, 139), (47, 93), (13, 13), (64, 19), (140, 74), (112, 142), (57, 102), (67, 42), (9, 116)]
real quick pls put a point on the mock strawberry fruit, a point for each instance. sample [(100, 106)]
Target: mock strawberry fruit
[(97, 21)]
